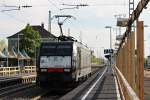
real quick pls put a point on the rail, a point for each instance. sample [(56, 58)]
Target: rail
[(125, 86), (12, 71), (92, 87)]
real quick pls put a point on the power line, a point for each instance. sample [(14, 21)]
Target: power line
[(11, 8), (121, 4), (73, 6), (18, 20)]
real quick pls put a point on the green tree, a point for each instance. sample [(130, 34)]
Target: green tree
[(96, 60), (30, 41), (3, 44)]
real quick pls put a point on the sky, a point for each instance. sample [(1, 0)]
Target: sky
[(89, 25)]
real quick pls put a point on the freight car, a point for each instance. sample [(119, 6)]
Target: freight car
[(61, 63)]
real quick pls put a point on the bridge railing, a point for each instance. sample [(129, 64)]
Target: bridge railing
[(130, 54), (127, 92), (12, 71), (130, 64)]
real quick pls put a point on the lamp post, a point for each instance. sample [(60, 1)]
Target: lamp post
[(109, 27), (110, 36), (102, 49)]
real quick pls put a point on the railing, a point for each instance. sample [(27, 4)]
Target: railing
[(130, 62), (130, 55), (7, 71), (12, 71), (30, 69), (125, 86)]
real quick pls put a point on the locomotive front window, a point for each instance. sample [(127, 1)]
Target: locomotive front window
[(56, 50), (55, 55), (55, 62), (64, 50)]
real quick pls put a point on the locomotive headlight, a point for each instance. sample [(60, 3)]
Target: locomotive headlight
[(66, 70)]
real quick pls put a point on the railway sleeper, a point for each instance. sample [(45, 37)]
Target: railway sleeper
[(9, 83), (17, 81)]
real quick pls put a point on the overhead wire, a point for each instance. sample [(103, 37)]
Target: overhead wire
[(77, 16), (18, 20), (11, 16), (124, 4)]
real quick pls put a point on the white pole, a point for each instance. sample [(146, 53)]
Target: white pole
[(110, 42), (18, 51), (7, 56), (49, 22)]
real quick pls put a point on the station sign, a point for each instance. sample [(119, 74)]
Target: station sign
[(106, 51)]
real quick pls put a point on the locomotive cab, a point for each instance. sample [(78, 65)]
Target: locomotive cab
[(61, 63), (54, 63)]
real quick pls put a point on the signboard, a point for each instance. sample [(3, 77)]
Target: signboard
[(122, 22), (106, 51)]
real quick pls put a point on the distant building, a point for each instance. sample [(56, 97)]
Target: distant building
[(21, 58), (45, 36)]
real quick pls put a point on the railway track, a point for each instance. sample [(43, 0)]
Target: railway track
[(51, 95), (60, 94), (6, 91), (12, 81), (32, 92)]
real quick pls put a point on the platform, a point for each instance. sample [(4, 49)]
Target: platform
[(106, 88)]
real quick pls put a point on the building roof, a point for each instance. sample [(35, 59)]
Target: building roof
[(14, 53), (25, 54), (43, 32), (2, 55)]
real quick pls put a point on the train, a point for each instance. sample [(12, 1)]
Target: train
[(61, 63)]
